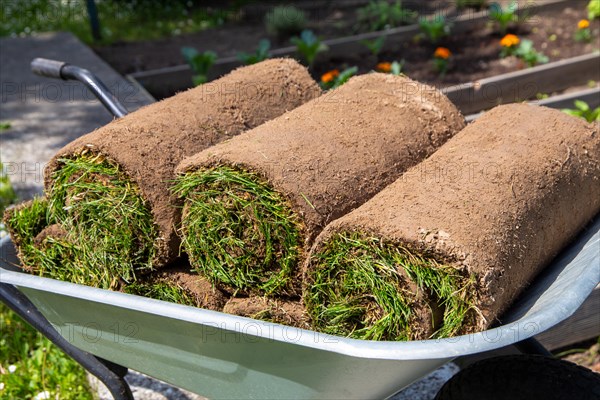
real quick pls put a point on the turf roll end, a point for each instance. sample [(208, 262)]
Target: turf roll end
[(238, 231), (105, 217), (361, 287)]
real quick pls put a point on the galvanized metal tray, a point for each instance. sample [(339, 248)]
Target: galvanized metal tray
[(224, 356)]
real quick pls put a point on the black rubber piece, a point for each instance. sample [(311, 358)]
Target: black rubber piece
[(522, 377)]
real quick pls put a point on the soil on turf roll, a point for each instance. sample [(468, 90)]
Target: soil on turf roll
[(125, 169), (472, 226), (177, 284), (253, 204), (279, 311)]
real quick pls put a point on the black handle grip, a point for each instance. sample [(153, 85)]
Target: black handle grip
[(49, 68)]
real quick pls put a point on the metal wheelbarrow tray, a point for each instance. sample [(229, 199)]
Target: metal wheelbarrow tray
[(225, 356)]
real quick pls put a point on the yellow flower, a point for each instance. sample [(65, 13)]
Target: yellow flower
[(443, 53), (584, 23), (384, 67), (329, 76), (510, 40)]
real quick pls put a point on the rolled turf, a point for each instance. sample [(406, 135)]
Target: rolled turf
[(109, 190), (461, 234), (253, 204)]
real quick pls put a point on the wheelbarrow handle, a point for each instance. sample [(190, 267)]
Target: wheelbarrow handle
[(62, 70)]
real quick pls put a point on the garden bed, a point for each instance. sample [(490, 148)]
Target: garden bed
[(474, 43)]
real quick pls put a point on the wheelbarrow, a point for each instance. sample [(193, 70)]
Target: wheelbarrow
[(226, 356)]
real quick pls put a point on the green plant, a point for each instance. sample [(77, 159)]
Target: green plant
[(4, 126), (285, 21), (526, 52), (111, 234), (309, 45), (441, 60), (394, 68), (7, 193), (119, 20), (512, 45), (583, 32), (477, 4), (397, 67), (261, 53), (360, 287), (434, 28), (504, 16), (583, 110), (380, 15), (334, 79), (237, 230), (33, 368), (374, 45), (200, 63), (593, 9)]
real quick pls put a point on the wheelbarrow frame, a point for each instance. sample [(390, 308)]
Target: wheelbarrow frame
[(575, 268)]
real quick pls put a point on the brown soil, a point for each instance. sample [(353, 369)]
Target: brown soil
[(335, 152), (279, 311), (475, 54), (150, 142), (500, 199), (55, 231), (200, 289)]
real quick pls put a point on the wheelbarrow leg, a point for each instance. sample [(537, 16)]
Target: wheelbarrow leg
[(532, 346), (112, 375)]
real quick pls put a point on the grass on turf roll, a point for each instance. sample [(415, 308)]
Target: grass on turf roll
[(462, 233), (109, 190), (253, 204)]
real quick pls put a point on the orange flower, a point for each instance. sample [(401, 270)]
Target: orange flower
[(443, 53), (329, 76), (584, 23), (384, 67), (510, 40)]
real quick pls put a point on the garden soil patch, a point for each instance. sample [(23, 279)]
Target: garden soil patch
[(316, 163), (485, 213)]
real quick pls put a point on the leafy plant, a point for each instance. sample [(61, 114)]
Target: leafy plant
[(593, 9), (334, 78), (33, 368), (526, 52), (477, 4), (504, 16), (374, 45), (261, 54), (522, 49), (441, 60), (199, 62), (583, 110), (435, 28), (394, 68), (285, 21), (583, 32), (7, 194), (380, 15), (4, 126), (309, 45)]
